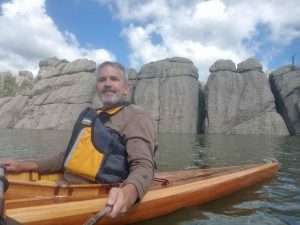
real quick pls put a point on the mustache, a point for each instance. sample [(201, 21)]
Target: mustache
[(108, 89)]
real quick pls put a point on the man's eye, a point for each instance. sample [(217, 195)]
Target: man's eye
[(114, 78)]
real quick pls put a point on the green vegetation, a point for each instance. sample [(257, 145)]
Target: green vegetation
[(8, 85)]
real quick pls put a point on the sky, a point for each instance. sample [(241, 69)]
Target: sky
[(137, 32)]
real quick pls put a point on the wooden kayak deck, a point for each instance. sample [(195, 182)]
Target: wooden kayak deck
[(184, 188), (32, 185)]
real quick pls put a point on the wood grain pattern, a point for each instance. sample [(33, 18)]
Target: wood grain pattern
[(185, 188)]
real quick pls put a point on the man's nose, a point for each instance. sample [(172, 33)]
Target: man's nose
[(108, 83)]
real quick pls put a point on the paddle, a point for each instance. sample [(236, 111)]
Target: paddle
[(3, 188), (99, 215)]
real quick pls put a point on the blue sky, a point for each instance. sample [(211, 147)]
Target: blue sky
[(136, 32), (92, 23)]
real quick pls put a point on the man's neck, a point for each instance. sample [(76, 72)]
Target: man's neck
[(111, 106)]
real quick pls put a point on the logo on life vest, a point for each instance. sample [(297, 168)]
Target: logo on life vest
[(86, 121)]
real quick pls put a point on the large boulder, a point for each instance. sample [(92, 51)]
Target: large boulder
[(56, 99), (285, 84), (223, 65), (242, 102), (249, 65), (132, 78), (10, 109), (169, 89), (55, 67)]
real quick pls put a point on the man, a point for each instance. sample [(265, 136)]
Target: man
[(133, 125)]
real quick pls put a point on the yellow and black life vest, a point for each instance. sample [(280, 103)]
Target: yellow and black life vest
[(95, 151)]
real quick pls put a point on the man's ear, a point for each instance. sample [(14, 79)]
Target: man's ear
[(127, 88)]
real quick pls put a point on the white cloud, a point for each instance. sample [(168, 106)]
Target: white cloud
[(143, 50), (28, 35), (205, 31)]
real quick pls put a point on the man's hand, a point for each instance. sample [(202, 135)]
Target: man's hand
[(121, 199), (19, 166)]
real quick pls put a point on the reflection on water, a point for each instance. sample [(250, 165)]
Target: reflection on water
[(276, 201), (33, 144), (182, 151)]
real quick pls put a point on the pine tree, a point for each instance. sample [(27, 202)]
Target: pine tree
[(293, 62)]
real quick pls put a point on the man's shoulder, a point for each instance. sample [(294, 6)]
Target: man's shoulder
[(136, 109), (138, 118)]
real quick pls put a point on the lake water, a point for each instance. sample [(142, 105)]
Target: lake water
[(274, 202)]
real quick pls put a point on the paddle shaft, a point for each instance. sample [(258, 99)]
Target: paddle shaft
[(98, 216)]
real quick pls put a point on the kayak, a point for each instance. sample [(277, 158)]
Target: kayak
[(39, 199)]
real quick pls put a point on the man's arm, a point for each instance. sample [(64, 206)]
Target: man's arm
[(122, 199), (141, 143), (140, 138), (46, 165), (19, 166), (50, 164)]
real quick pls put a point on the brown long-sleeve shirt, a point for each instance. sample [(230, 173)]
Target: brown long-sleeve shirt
[(137, 129)]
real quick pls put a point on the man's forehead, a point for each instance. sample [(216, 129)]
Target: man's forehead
[(109, 70)]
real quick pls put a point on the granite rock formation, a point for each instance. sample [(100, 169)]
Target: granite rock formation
[(240, 101), (234, 100), (132, 78), (62, 91), (10, 109), (169, 89), (285, 84)]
